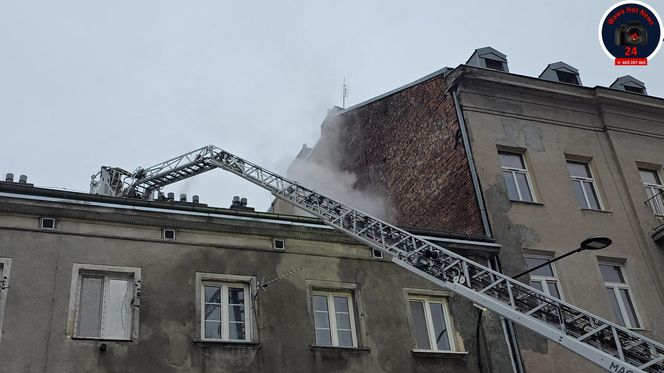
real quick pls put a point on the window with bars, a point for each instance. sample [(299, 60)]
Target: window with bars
[(654, 190), (431, 323), (334, 320), (620, 295), (105, 302), (545, 278), (225, 311), (517, 180), (584, 185)]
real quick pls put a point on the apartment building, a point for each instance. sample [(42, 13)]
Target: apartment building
[(92, 283), (536, 163)]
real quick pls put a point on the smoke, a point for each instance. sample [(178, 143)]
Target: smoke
[(319, 169)]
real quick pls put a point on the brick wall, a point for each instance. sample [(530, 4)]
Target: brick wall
[(407, 147)]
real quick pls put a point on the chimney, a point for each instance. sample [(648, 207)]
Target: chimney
[(194, 198), (171, 196), (183, 197), (23, 179), (240, 204), (9, 177)]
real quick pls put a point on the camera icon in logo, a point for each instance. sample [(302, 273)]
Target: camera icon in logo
[(633, 33)]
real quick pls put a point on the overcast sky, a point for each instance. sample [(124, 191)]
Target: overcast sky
[(133, 83)]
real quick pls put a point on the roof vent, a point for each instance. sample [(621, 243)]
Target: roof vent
[(488, 58), (561, 72), (630, 84)]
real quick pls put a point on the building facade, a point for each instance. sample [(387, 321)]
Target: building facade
[(103, 284), (538, 164)]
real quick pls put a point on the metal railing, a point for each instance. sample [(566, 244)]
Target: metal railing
[(656, 203)]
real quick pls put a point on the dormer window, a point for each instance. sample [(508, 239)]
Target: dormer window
[(562, 73), (488, 58), (493, 64), (634, 89), (565, 77), (629, 83)]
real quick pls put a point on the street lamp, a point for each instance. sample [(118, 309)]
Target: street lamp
[(590, 243)]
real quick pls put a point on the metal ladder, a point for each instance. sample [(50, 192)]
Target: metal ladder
[(610, 346)]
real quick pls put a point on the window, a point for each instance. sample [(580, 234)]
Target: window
[(654, 190), (516, 177), (620, 295), (567, 77), (431, 322), (225, 311), (104, 302), (543, 279), (224, 306), (634, 89), (494, 64), (376, 254), (47, 223), (168, 234), (5, 266), (334, 322), (279, 244), (584, 185)]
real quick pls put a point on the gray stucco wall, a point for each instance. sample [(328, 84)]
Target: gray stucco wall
[(549, 122), (36, 316)]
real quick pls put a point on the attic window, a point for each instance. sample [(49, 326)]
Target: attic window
[(565, 77), (169, 234), (47, 223), (638, 90), (493, 64), (279, 244)]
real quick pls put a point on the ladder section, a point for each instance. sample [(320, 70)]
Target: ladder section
[(610, 346)]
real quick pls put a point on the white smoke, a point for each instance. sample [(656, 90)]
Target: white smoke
[(338, 185)]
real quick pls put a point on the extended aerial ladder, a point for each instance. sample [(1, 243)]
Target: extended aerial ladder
[(610, 346)]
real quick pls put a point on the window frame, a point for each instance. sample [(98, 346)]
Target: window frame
[(589, 180), (616, 287), (225, 322), (427, 300), (107, 272), (513, 171), (658, 203), (332, 317), (5, 279), (544, 279), (225, 280)]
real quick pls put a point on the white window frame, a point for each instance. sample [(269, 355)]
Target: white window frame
[(588, 180), (332, 317), (616, 287), (108, 272), (427, 300), (248, 283), (514, 171), (657, 203), (5, 266), (544, 279)]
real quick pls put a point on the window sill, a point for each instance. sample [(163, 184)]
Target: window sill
[(351, 350), (229, 344), (532, 203), (440, 354), (100, 339), (593, 210)]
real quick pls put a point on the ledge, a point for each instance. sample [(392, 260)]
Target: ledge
[(527, 203), (440, 354), (229, 344), (336, 349), (600, 211), (100, 339)]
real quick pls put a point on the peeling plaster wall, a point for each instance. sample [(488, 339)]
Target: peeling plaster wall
[(36, 315)]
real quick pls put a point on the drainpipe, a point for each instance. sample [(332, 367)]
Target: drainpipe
[(471, 163), (508, 327)]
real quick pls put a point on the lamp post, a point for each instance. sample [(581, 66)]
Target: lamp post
[(590, 243)]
